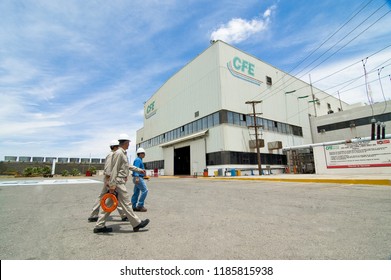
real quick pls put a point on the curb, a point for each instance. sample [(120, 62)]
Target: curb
[(378, 182)]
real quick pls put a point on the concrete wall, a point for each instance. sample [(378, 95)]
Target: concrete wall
[(374, 167)]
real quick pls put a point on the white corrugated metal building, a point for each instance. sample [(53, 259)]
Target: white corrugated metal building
[(199, 118)]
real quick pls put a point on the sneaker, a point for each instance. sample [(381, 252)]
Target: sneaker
[(92, 219), (103, 229), (141, 209), (141, 225), (124, 219)]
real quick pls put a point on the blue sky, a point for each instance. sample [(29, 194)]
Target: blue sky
[(74, 74)]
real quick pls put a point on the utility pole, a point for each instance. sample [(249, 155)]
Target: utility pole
[(255, 126), (340, 103), (313, 96)]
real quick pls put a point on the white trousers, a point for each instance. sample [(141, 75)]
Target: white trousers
[(124, 203)]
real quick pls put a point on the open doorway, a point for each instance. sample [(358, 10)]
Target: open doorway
[(182, 161)]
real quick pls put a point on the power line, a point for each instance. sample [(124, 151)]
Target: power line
[(281, 79), (351, 81), (382, 91), (279, 88), (332, 35), (338, 92), (360, 85), (345, 44)]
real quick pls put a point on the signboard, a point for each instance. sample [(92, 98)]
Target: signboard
[(359, 155)]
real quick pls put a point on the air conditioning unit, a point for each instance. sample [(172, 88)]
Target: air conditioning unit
[(252, 144), (275, 145)]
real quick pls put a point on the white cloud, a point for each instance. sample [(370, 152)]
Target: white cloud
[(268, 12), (238, 29)]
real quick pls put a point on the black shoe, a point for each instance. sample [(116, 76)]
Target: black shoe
[(92, 219), (135, 210), (141, 225), (124, 219), (103, 229)]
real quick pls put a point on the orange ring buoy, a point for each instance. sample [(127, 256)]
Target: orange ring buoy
[(103, 202)]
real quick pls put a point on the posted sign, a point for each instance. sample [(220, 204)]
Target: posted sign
[(358, 155)]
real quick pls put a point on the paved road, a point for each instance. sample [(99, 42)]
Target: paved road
[(201, 219)]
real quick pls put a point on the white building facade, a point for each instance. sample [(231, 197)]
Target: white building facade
[(355, 121), (199, 118)]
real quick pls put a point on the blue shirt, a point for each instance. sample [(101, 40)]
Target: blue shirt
[(138, 162)]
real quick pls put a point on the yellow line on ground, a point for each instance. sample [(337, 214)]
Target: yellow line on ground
[(382, 182)]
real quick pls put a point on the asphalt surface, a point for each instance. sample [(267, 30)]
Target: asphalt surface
[(200, 219)]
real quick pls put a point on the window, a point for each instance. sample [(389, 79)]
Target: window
[(268, 80), (210, 120), (197, 114), (230, 117), (216, 118), (228, 157), (270, 125), (243, 120), (279, 127), (186, 129), (199, 125), (236, 118), (249, 121), (298, 131), (284, 128), (204, 123), (260, 122)]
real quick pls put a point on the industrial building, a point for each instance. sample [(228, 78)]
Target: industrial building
[(355, 140), (202, 117), (352, 122)]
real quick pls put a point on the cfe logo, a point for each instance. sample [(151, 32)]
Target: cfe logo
[(243, 66), (151, 107), (243, 69), (332, 148), (150, 110)]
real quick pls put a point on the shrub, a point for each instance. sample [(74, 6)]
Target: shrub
[(46, 170), (37, 171), (75, 172), (65, 173), (92, 169), (28, 172)]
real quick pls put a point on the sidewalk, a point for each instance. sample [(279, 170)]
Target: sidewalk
[(380, 179)]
